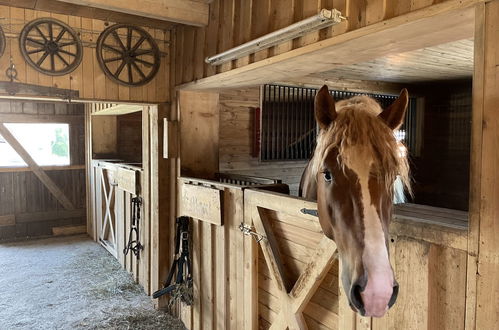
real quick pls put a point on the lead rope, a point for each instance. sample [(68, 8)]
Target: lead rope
[(134, 245)]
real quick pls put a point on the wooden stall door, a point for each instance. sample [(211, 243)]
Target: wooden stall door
[(297, 265), (429, 262), (223, 259)]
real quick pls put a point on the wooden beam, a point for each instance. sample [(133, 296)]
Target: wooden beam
[(347, 85), (118, 109), (44, 168), (69, 230), (180, 11), (26, 118), (37, 170), (484, 197), (441, 23), (49, 215)]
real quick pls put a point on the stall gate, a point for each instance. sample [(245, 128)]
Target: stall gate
[(290, 277), (111, 197)]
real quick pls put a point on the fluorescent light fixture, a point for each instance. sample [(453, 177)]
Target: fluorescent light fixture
[(323, 19)]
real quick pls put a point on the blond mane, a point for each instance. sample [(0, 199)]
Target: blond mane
[(357, 125)]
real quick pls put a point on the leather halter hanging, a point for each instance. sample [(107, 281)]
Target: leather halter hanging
[(134, 245), (182, 287)]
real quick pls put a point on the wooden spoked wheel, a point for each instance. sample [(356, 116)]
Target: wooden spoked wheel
[(51, 46), (128, 55), (2, 41)]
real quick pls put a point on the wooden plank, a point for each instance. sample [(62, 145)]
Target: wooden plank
[(447, 288), (121, 229), (487, 314), (31, 118), (207, 276), (414, 290), (7, 220), (181, 11), (49, 215), (250, 258), (127, 180), (475, 166), (44, 168), (197, 287), (202, 203), (118, 109), (69, 230), (44, 178), (457, 239), (199, 129), (170, 139), (444, 22), (147, 203), (88, 12)]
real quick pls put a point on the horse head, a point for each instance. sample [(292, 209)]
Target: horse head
[(351, 175)]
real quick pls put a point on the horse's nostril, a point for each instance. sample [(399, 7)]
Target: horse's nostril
[(394, 295), (356, 298)]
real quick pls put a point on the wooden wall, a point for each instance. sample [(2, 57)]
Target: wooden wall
[(236, 141), (235, 22), (27, 208), (88, 79), (222, 262)]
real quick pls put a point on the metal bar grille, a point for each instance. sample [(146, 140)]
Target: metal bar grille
[(288, 124)]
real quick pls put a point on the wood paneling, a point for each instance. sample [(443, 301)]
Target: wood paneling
[(23, 197), (360, 39), (448, 61), (88, 79), (236, 140), (223, 261), (35, 209), (199, 129)]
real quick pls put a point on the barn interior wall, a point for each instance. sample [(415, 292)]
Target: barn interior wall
[(27, 207), (88, 78), (117, 137), (236, 141), (235, 22)]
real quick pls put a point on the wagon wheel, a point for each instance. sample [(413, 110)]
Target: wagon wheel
[(128, 55), (51, 46), (2, 42)]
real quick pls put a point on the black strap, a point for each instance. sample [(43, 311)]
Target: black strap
[(134, 244), (181, 260)]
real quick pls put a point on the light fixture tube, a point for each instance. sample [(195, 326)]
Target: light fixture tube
[(323, 19)]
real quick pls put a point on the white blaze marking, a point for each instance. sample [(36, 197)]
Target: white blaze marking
[(375, 255)]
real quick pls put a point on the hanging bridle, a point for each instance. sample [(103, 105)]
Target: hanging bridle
[(134, 244), (182, 288)]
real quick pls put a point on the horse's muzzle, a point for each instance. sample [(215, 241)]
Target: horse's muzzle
[(357, 301)]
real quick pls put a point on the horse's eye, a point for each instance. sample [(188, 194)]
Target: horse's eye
[(327, 176)]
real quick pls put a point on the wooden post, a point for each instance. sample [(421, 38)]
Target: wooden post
[(484, 205)]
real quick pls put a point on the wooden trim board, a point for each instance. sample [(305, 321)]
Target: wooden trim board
[(202, 203)]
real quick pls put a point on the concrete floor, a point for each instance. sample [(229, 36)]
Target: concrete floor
[(71, 283)]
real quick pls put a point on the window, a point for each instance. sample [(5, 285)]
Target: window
[(47, 144), (288, 123)]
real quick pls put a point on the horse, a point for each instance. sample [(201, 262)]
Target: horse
[(351, 175)]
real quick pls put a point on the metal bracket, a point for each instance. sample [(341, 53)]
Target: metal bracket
[(310, 212), (249, 231)]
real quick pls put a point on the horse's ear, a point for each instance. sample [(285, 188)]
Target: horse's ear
[(325, 112), (394, 115)]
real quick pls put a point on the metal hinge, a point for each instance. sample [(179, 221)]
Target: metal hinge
[(249, 231)]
